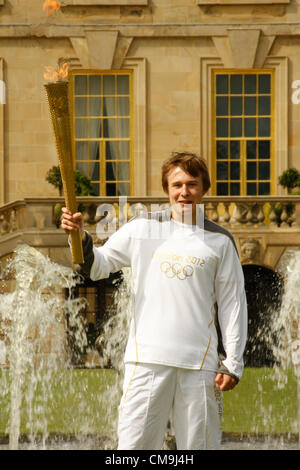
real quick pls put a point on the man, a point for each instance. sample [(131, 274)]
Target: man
[(185, 271)]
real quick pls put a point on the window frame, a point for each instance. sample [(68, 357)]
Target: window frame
[(242, 139), (103, 3), (242, 2), (102, 178)]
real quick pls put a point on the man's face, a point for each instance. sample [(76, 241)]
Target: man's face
[(185, 192)]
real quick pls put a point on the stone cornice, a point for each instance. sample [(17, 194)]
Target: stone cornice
[(144, 30)]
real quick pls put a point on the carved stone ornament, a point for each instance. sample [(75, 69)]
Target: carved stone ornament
[(250, 250)]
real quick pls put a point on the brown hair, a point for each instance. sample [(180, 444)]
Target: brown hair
[(188, 162)]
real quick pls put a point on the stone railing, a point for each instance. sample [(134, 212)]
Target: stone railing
[(237, 213)]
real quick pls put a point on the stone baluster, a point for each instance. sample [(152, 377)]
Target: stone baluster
[(257, 213), (272, 216), (225, 217), (260, 215), (215, 215), (237, 215), (208, 207), (284, 216), (249, 215), (288, 215)]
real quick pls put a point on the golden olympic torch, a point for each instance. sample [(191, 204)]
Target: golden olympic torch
[(58, 98)]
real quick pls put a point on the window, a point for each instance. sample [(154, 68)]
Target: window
[(243, 2), (243, 132), (103, 2), (101, 111)]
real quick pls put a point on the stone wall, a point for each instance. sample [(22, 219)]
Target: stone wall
[(172, 37)]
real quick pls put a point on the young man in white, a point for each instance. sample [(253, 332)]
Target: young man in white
[(186, 274)]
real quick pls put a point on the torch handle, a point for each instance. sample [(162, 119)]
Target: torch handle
[(59, 109), (76, 244)]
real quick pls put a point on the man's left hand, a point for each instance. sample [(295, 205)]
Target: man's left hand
[(225, 382)]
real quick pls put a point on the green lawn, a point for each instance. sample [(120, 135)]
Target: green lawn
[(80, 401), (265, 401)]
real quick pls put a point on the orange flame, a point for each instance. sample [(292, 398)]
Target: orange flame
[(51, 6), (53, 75)]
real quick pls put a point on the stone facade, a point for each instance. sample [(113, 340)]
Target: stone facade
[(172, 39), (172, 47)]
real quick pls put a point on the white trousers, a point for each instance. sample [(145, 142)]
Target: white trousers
[(150, 391)]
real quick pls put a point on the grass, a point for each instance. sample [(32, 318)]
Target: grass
[(264, 402), (81, 402)]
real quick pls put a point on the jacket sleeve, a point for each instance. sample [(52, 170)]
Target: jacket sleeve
[(232, 309), (115, 254)]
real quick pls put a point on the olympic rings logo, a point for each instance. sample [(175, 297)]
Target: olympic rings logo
[(176, 270)]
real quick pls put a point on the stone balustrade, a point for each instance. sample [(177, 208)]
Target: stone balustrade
[(237, 213)]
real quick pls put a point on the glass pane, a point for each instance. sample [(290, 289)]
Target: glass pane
[(235, 149), (95, 128), (111, 189), (123, 171), (234, 170), (222, 189), (222, 106), (222, 127), (80, 84), (83, 167), (81, 128), (94, 171), (96, 190), (95, 84), (222, 149), (264, 189), (250, 105), (109, 128), (251, 189), (264, 127), (264, 148), (264, 105), (264, 83), (124, 189), (123, 129), (236, 106), (123, 106), (235, 189), (82, 149), (80, 106), (109, 108), (95, 106), (111, 174), (222, 170), (123, 85), (236, 127), (251, 149), (251, 170), (250, 84), (236, 84), (111, 151), (264, 171), (250, 127), (94, 150), (222, 84), (108, 84), (123, 150)]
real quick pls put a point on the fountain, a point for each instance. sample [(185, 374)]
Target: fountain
[(33, 318), (48, 403), (288, 325)]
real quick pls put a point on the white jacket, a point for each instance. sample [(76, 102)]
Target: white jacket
[(181, 273)]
